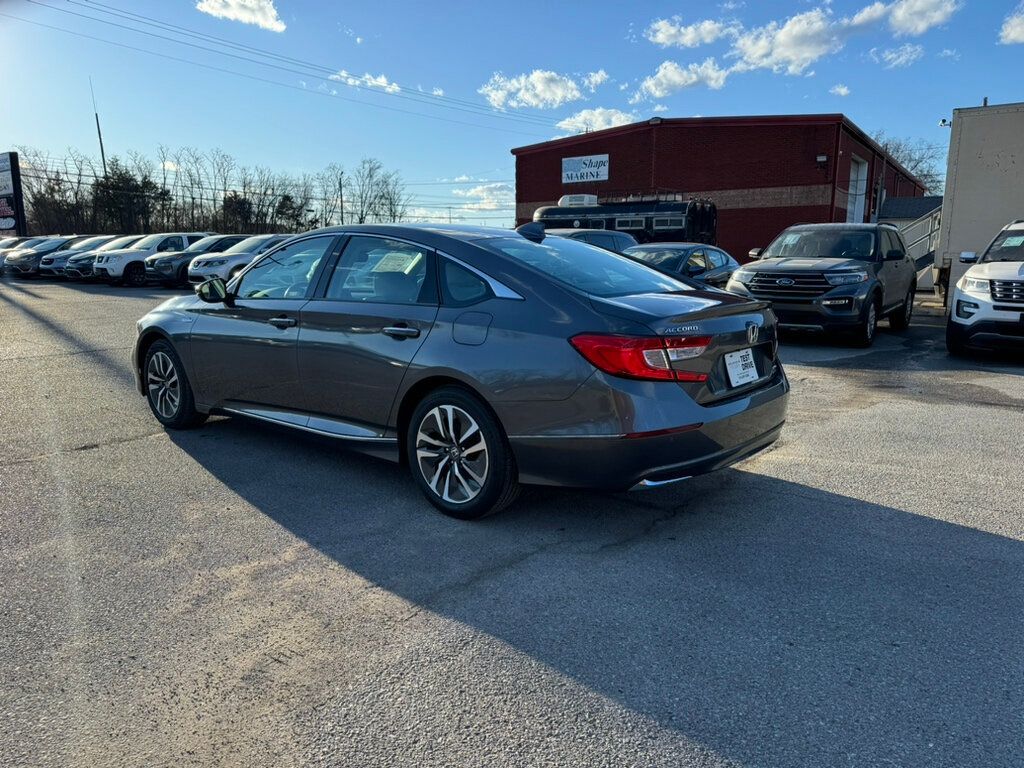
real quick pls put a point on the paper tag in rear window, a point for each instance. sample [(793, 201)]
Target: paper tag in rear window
[(741, 368)]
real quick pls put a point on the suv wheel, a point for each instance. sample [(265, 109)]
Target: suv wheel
[(168, 391), (459, 456), (899, 320), (865, 334), (134, 275)]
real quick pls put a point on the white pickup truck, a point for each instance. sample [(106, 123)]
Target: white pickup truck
[(128, 265)]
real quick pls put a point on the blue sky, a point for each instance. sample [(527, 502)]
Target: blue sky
[(442, 92)]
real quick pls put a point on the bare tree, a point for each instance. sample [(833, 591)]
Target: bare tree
[(924, 160), (394, 200), (366, 190), (223, 165)]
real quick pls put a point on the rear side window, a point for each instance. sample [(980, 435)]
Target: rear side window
[(460, 287), (194, 238), (591, 270), (381, 271), (173, 243), (717, 258)]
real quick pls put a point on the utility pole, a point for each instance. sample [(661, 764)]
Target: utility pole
[(99, 133), (449, 214), (341, 195)]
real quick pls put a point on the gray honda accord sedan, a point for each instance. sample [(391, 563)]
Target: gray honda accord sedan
[(481, 358)]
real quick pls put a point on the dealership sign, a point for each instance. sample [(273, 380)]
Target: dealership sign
[(12, 206), (589, 168)]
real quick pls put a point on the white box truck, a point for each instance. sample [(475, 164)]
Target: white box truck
[(984, 184)]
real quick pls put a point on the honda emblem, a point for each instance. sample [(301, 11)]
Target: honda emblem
[(752, 333)]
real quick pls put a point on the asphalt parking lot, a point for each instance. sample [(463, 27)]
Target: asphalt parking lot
[(239, 595)]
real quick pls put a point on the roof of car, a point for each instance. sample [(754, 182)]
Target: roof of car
[(459, 231), (661, 246), (839, 225)]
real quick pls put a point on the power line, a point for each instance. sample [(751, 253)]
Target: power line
[(308, 70), (268, 81), (94, 5)]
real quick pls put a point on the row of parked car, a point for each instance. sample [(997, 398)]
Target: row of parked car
[(169, 258)]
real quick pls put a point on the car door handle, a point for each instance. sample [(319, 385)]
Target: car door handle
[(282, 322), (401, 332)]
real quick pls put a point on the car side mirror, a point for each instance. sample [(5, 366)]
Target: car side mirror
[(214, 291), (754, 253), (968, 257), (894, 254)]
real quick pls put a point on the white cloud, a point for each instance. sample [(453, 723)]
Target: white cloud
[(791, 46), (463, 177), (594, 79), (670, 77), (915, 17), (672, 32), (871, 14), (169, 165), (1012, 30), (895, 58), (435, 91), (659, 108), (595, 120), (495, 196), (359, 40), (541, 88), (262, 13), (949, 53), (839, 90), (366, 81)]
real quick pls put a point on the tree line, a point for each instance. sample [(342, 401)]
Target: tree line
[(189, 190)]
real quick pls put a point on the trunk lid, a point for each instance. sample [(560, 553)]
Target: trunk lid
[(732, 323)]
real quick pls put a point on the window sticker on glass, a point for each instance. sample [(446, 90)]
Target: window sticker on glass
[(1012, 242)]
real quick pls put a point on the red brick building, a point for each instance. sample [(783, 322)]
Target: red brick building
[(763, 173)]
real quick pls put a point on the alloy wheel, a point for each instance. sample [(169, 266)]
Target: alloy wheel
[(452, 454), (164, 385)]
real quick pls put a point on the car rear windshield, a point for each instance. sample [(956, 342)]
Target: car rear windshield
[(665, 258), (585, 267), (1008, 246), (856, 244)]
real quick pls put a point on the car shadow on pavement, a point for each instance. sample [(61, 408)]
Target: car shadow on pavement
[(919, 349), (770, 622)]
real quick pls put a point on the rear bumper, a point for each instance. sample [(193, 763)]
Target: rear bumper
[(620, 462)]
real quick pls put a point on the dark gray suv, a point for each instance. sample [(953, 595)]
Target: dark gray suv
[(833, 277), (480, 357)]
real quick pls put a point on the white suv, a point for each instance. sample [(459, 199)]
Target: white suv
[(128, 265), (986, 307)]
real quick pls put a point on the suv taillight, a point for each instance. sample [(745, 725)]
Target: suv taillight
[(642, 357)]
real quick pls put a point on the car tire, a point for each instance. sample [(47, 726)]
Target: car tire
[(865, 334), (459, 455), (134, 275), (955, 345), (899, 319), (168, 390)]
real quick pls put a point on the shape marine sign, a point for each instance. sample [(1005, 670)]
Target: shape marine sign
[(586, 168)]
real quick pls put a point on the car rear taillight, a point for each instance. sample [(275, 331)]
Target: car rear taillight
[(642, 357)]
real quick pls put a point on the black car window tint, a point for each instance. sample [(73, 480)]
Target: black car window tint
[(461, 287), (380, 271), (285, 273)]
